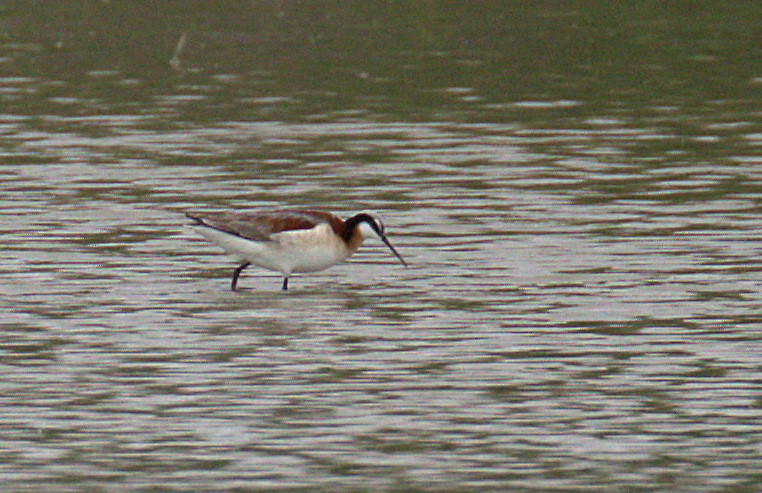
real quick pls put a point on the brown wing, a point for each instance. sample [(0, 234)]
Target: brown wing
[(260, 225)]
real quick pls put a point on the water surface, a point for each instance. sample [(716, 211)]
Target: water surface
[(582, 309)]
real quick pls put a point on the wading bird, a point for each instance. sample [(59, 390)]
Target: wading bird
[(288, 240)]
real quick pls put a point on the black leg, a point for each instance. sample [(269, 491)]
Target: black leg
[(285, 284), (237, 272)]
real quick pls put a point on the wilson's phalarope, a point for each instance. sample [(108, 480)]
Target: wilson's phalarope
[(289, 240)]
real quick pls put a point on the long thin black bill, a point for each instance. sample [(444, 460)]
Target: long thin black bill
[(383, 238)]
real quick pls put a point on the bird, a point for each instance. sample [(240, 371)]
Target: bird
[(288, 240)]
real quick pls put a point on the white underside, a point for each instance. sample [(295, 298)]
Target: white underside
[(305, 250)]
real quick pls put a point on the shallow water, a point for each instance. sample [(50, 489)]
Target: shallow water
[(581, 312)]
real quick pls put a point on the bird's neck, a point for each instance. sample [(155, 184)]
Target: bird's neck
[(351, 234)]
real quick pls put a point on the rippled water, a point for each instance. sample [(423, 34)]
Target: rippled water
[(582, 310), (575, 317)]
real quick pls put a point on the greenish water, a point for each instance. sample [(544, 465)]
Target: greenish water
[(577, 190)]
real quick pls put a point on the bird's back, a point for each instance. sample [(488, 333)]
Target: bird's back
[(261, 225)]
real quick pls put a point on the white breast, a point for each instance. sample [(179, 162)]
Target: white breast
[(309, 250)]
